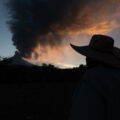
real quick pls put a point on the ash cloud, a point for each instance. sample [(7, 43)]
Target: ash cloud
[(47, 22)]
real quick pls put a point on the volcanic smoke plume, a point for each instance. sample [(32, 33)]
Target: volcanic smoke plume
[(46, 23)]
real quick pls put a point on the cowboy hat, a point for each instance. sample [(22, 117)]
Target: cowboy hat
[(101, 48)]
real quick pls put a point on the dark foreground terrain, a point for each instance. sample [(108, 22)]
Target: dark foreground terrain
[(37, 93)]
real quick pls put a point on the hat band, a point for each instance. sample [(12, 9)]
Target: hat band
[(101, 50)]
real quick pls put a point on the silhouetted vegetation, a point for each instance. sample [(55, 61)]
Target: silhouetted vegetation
[(34, 93), (5, 61)]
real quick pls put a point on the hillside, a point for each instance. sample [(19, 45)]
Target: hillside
[(34, 93)]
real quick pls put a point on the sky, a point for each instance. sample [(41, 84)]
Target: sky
[(6, 47), (107, 22)]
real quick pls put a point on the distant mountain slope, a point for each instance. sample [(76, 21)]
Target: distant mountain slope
[(17, 60)]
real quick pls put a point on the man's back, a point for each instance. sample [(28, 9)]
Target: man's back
[(98, 97)]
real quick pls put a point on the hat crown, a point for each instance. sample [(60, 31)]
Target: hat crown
[(102, 43)]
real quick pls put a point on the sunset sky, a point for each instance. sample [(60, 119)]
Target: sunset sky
[(50, 43)]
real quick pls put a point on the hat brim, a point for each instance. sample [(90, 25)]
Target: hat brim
[(108, 58)]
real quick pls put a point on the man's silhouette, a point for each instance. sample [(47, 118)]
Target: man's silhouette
[(98, 96)]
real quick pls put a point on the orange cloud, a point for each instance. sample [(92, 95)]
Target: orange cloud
[(94, 18)]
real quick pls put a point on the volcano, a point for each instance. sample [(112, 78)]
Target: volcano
[(18, 60)]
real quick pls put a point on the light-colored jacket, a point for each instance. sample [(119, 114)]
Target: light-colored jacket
[(98, 96)]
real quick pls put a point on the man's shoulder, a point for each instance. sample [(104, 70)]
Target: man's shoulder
[(101, 70), (101, 73), (105, 80)]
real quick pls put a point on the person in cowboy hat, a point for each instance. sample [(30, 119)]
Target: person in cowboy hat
[(97, 97)]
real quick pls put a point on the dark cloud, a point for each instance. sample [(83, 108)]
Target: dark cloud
[(46, 22)]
